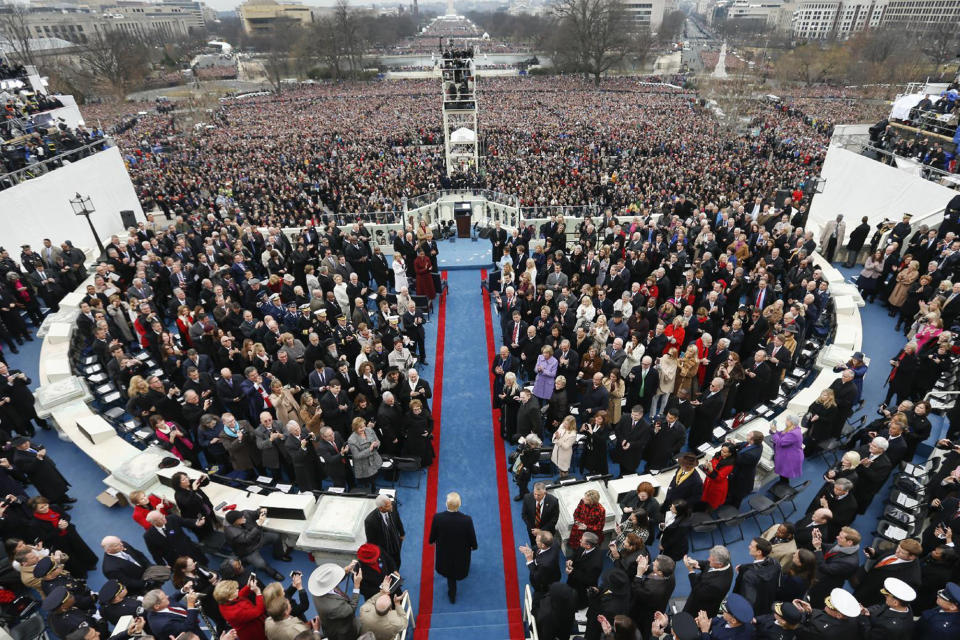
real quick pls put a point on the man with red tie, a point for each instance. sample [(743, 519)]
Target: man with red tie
[(835, 564), (540, 512), (256, 388), (902, 564), (168, 621)]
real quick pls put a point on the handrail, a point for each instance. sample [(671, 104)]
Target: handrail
[(850, 143), (31, 171)]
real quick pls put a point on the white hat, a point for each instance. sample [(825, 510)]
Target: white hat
[(841, 600), (324, 578), (899, 590)]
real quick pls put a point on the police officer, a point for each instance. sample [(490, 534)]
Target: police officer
[(836, 621), (64, 617), (116, 602), (735, 621), (893, 619), (780, 624), (52, 575), (943, 621)]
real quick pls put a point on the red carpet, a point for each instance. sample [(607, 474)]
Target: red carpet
[(425, 610), (510, 587)]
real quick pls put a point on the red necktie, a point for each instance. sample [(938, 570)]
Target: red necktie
[(516, 334), (759, 298), (886, 561), (536, 518), (177, 610), (266, 396)]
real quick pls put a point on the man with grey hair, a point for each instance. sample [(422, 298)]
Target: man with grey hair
[(710, 581), (842, 504), (169, 622), (650, 591), (384, 528), (875, 467), (584, 567)]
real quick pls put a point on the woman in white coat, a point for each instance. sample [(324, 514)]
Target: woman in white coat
[(399, 273), (563, 440)]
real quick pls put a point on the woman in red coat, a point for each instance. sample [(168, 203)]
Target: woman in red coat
[(423, 267), (243, 609), (588, 516), (718, 472)]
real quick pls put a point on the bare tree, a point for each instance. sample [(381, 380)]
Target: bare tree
[(940, 43), (276, 48), (117, 60), (592, 36), (14, 28), (671, 26)]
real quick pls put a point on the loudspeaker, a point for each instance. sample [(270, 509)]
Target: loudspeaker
[(782, 195), (129, 218)]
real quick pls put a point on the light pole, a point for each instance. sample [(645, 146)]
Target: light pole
[(83, 207)]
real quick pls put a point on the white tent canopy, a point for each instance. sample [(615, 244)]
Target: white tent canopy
[(463, 136)]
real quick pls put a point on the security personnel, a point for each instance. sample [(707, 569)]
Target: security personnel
[(735, 621), (63, 617), (52, 575), (836, 621), (893, 619), (943, 621), (116, 602), (780, 624)]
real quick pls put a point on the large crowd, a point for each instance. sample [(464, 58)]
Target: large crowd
[(298, 358)]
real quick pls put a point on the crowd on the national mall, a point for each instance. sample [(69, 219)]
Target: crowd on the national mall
[(626, 339)]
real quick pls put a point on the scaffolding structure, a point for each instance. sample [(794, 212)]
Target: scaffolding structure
[(460, 134)]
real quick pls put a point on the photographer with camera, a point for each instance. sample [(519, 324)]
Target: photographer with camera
[(194, 504), (299, 447), (245, 535)]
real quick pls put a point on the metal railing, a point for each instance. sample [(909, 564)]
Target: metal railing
[(860, 144), (41, 167)]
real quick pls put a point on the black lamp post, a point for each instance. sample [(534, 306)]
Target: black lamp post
[(83, 207)]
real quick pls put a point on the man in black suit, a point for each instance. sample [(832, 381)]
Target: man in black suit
[(168, 621), (818, 520), (686, 483), (846, 394), (40, 471), (873, 471), (646, 382), (951, 308), (584, 567), (835, 565), (199, 360), (498, 239), (842, 504), (330, 449), (528, 415), (543, 563), (167, 539), (708, 410), (125, 564), (384, 528), (666, 439), (745, 468), (756, 386), (540, 512), (633, 434), (650, 590), (710, 581), (903, 563), (455, 538), (230, 393), (758, 580)]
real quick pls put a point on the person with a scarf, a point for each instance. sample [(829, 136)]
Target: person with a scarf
[(24, 296), (179, 444), (58, 534), (375, 566)]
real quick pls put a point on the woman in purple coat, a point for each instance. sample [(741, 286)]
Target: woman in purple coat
[(546, 374), (787, 449)]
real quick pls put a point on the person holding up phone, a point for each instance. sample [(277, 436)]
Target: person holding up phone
[(383, 615)]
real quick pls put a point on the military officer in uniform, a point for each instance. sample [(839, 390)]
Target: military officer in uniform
[(780, 624), (735, 621), (943, 621), (836, 621), (116, 602), (892, 620), (63, 617), (52, 575)]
